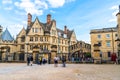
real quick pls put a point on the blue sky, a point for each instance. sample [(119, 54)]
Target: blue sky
[(80, 15)]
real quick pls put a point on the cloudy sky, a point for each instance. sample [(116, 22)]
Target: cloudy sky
[(80, 15)]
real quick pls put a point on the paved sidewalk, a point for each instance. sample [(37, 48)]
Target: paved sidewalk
[(20, 71)]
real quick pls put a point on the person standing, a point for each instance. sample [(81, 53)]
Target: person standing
[(31, 60), (28, 60), (56, 61), (64, 61), (114, 58), (40, 60)]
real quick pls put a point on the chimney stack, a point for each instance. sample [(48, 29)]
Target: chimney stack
[(29, 19), (65, 29), (48, 19)]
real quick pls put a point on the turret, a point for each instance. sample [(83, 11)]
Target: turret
[(118, 17)]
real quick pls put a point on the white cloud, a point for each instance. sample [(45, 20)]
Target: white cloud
[(56, 3), (19, 12), (8, 8), (24, 22), (7, 1), (84, 37), (37, 7), (112, 20), (52, 11), (15, 29), (67, 1), (115, 11), (41, 4), (31, 7), (115, 7)]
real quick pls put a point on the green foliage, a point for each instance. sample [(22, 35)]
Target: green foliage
[(88, 55)]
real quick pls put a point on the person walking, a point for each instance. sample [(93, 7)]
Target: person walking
[(64, 61), (56, 61), (28, 60), (40, 60), (31, 60)]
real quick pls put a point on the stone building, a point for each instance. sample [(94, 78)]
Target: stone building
[(39, 39), (6, 45), (118, 32), (105, 42), (44, 39)]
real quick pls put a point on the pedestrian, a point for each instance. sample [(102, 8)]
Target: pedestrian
[(31, 60), (64, 61), (49, 60), (72, 59), (113, 58), (56, 61), (40, 60), (28, 60), (43, 60)]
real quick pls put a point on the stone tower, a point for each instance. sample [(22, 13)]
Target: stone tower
[(118, 30)]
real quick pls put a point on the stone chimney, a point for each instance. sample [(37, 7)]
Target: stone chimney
[(48, 19), (29, 19), (65, 29), (0, 29)]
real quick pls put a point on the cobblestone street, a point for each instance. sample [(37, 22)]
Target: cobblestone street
[(20, 71)]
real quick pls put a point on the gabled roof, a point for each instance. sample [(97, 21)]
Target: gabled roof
[(46, 27), (6, 36), (23, 29), (69, 33)]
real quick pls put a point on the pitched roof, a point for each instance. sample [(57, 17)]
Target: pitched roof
[(6, 36), (112, 29), (62, 33), (46, 27)]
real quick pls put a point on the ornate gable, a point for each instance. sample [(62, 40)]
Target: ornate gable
[(53, 29), (73, 37), (36, 28), (22, 32)]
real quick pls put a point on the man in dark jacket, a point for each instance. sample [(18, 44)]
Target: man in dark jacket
[(64, 61), (31, 60), (28, 60)]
